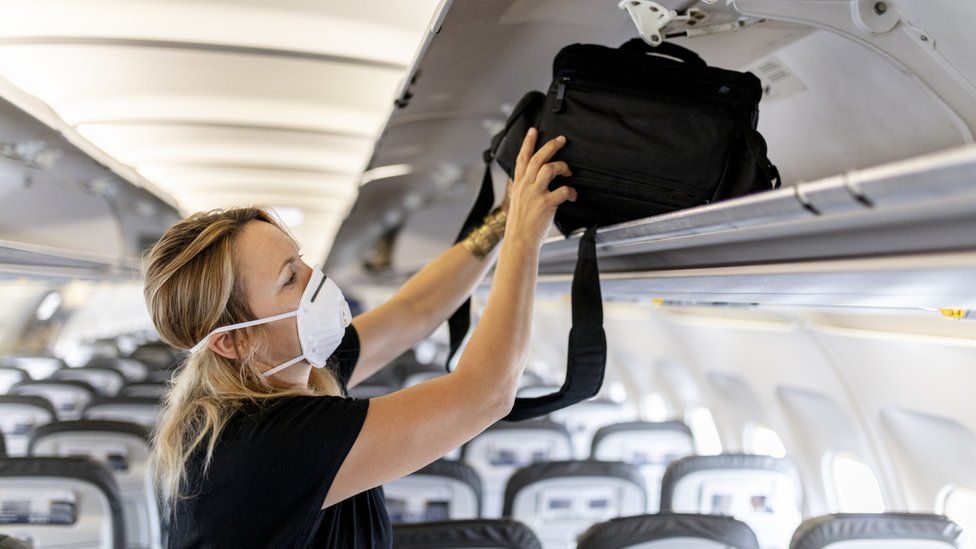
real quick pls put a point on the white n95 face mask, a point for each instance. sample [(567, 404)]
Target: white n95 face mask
[(322, 317)]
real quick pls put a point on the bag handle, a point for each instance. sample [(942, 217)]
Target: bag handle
[(587, 358), (665, 48)]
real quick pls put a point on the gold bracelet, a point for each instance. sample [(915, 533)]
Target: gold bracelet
[(482, 239)]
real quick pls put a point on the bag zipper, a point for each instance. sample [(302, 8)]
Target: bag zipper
[(562, 83)]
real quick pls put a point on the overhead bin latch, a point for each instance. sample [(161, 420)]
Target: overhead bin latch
[(652, 17)]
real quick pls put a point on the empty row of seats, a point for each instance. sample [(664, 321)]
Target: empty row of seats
[(78, 471), (694, 531), (23, 412), (560, 499)]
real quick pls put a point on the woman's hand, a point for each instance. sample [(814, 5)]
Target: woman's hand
[(530, 204)]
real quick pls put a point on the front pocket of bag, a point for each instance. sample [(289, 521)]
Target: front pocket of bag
[(629, 133)]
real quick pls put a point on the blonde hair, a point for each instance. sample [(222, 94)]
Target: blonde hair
[(192, 286)]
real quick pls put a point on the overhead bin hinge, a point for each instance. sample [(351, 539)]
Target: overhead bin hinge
[(651, 18)]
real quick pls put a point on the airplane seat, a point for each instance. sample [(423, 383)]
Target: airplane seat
[(670, 531), (19, 415), (505, 446), (9, 376), (762, 491), (60, 502), (157, 355), (133, 370), (559, 500), (69, 397), (144, 390), (160, 376), (106, 381), (584, 418), (878, 531), (37, 367), (649, 446), (141, 410), (455, 534), (121, 446), (443, 490)]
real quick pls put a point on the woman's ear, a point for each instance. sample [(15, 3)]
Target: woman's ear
[(224, 345)]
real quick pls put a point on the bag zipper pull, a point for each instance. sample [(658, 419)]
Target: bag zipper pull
[(560, 93)]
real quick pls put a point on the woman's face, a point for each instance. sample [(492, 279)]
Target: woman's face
[(273, 278)]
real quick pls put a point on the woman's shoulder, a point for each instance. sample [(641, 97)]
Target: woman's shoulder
[(295, 409)]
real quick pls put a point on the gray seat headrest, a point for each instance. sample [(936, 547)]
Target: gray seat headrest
[(87, 426), (74, 468), (685, 466), (627, 531), (538, 472), (484, 533), (821, 531)]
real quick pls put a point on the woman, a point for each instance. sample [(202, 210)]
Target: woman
[(256, 446)]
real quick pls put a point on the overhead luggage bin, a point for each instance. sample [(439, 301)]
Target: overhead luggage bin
[(898, 235)]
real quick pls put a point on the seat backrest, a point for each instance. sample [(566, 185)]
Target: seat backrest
[(762, 491), (156, 355), (584, 418), (10, 375), (560, 500), (107, 381), (453, 534), (670, 531), (504, 447), (141, 410), (69, 397), (60, 502), (144, 390), (124, 448), (159, 376), (443, 490), (878, 531), (132, 369), (19, 415), (649, 446), (38, 367)]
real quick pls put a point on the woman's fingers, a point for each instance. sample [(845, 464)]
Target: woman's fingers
[(550, 171), (562, 194), (525, 153), (542, 156)]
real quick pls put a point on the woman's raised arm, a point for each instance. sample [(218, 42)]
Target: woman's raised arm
[(408, 429)]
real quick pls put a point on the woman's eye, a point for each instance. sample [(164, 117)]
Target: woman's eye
[(291, 280)]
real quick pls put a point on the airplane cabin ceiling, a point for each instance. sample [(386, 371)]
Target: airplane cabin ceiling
[(220, 103)]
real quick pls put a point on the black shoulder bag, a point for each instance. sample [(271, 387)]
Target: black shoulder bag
[(649, 131)]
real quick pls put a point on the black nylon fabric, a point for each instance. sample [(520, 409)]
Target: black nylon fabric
[(647, 135)]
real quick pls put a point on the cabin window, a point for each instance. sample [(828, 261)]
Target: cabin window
[(702, 425), (853, 485), (959, 504), (762, 440)]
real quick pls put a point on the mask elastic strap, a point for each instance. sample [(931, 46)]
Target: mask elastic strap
[(247, 324), (281, 367)]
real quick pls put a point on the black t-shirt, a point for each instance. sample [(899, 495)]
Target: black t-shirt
[(271, 470)]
